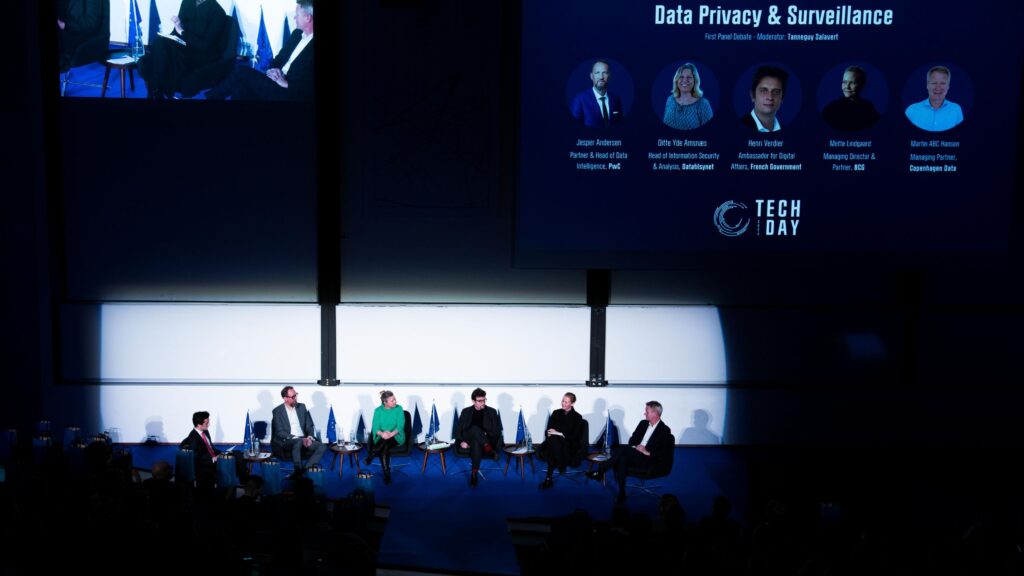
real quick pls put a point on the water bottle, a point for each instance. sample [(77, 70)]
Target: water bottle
[(529, 441), (138, 49)]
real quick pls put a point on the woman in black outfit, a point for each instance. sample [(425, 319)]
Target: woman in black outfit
[(202, 35), (563, 437)]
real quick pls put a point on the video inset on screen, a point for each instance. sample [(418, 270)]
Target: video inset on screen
[(258, 50)]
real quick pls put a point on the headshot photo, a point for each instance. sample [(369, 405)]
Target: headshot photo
[(767, 97), (854, 109), (601, 92), (686, 108), (936, 113)]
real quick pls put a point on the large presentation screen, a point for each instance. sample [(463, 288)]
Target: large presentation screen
[(652, 131)]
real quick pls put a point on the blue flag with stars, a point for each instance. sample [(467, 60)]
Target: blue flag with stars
[(435, 425), (264, 53), (417, 423), (134, 24), (361, 429), (611, 434), (521, 428), (247, 442), (154, 21), (332, 427)]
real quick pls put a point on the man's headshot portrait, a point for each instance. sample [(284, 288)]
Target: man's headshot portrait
[(597, 106), (935, 113), (767, 91)]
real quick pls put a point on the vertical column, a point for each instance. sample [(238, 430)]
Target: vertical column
[(598, 291)]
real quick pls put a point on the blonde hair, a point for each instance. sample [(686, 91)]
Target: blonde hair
[(696, 81)]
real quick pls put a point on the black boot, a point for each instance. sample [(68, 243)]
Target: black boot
[(373, 452), (385, 464)]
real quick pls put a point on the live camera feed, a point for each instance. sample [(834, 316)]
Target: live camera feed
[(253, 50)]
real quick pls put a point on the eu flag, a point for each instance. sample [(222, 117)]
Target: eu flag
[(611, 434), (247, 442), (521, 428), (134, 24), (264, 53), (332, 427), (417, 423), (435, 425), (154, 21), (361, 429)]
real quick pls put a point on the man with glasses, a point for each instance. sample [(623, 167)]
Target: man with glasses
[(479, 431), (767, 90), (293, 431)]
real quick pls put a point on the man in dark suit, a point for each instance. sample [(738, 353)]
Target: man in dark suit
[(479, 431), (78, 21), (292, 431), (597, 107), (199, 442), (650, 445), (290, 75)]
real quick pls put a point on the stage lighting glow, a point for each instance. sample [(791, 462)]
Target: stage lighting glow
[(209, 343), (664, 345)]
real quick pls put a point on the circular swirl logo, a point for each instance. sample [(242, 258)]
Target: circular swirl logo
[(724, 227)]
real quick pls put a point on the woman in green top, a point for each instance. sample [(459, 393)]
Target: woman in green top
[(386, 432)]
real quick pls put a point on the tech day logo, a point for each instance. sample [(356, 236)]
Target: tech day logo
[(725, 228), (772, 217)]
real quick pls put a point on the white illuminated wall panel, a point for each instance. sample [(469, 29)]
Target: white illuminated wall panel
[(209, 343), (463, 344), (664, 345)]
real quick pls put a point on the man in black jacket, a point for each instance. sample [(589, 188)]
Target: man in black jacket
[(205, 455), (290, 75), (292, 431), (650, 445), (479, 431), (78, 21)]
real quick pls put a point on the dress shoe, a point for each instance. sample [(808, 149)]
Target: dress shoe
[(547, 483), (473, 480), (595, 475)]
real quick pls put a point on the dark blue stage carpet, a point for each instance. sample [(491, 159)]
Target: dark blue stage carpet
[(87, 81), (438, 522)]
